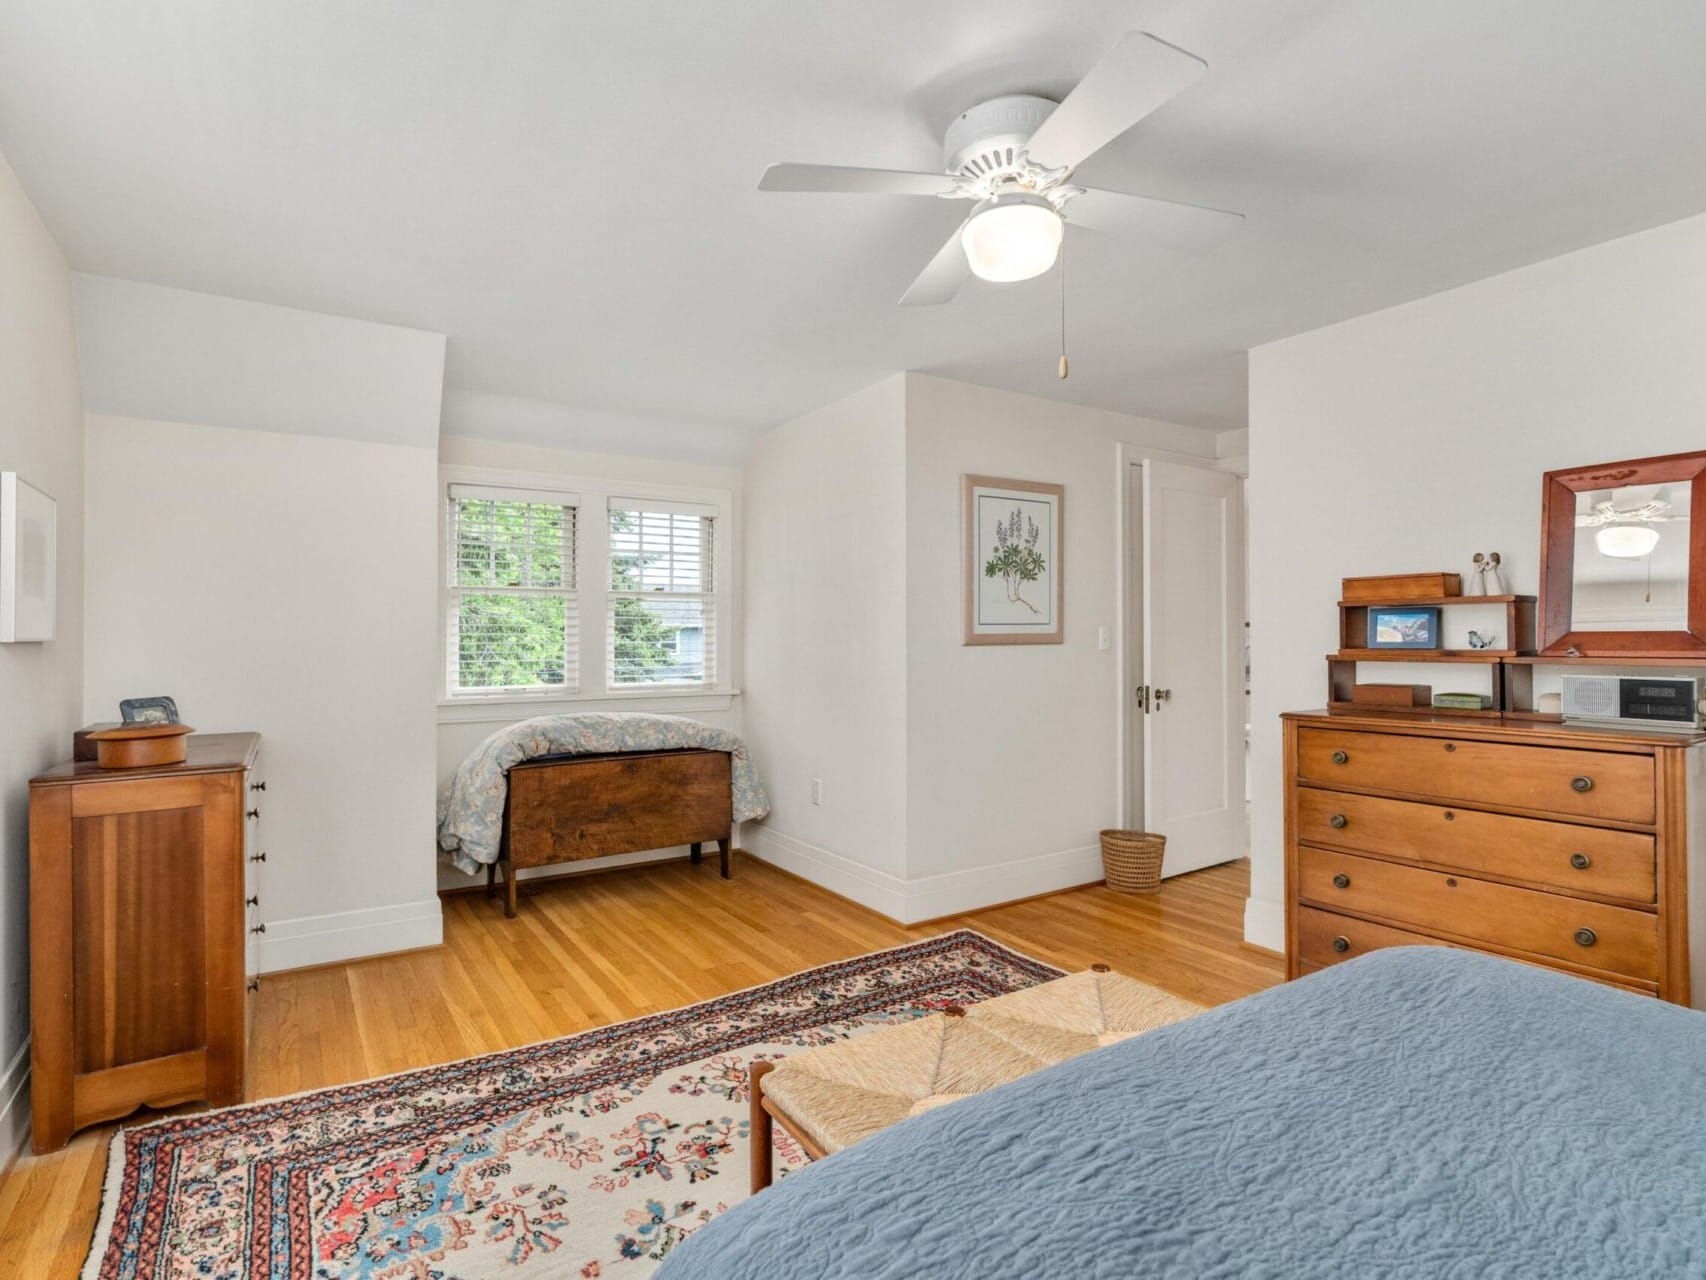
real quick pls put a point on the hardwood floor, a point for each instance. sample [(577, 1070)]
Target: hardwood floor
[(598, 948)]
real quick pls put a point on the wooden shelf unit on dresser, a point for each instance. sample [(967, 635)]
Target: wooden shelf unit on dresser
[(1577, 849), (144, 911)]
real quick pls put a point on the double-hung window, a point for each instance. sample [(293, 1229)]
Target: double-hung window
[(661, 609), (512, 612)]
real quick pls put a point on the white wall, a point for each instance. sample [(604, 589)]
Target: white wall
[(1014, 766), (462, 728), (855, 670), (153, 352), (285, 584), (262, 525), (1411, 438), (825, 563), (41, 438)]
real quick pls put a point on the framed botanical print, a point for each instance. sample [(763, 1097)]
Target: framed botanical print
[(1013, 550)]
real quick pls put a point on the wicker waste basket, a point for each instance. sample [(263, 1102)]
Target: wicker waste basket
[(1132, 860)]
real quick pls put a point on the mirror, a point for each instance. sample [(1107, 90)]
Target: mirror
[(1622, 564)]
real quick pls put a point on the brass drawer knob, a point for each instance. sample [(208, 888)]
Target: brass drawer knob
[(1580, 861), (1340, 757), (1586, 937), (1341, 881), (1338, 822), (1581, 783), (1341, 944)]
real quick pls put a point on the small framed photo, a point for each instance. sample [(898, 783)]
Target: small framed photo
[(1413, 628), (161, 710)]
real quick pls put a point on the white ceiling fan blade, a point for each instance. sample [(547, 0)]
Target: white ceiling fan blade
[(1134, 78), (834, 177), (1190, 227), (942, 277)]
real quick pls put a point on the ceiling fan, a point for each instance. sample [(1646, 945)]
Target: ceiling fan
[(1014, 157), (1626, 533)]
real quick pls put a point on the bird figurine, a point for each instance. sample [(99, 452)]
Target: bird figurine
[(1479, 641)]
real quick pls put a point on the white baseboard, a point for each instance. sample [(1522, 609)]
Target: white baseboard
[(865, 885), (15, 1106), (350, 935), (1264, 923), (930, 897)]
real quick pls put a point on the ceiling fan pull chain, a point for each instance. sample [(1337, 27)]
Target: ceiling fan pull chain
[(1061, 370)]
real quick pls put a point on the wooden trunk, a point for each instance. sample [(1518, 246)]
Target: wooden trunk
[(139, 956), (1572, 848), (576, 807)]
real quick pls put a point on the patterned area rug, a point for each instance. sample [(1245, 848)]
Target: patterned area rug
[(588, 1156)]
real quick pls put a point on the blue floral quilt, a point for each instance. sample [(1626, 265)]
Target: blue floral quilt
[(471, 808)]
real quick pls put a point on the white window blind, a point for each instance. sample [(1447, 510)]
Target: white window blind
[(513, 616), (662, 602)]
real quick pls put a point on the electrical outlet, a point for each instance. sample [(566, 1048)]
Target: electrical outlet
[(817, 790)]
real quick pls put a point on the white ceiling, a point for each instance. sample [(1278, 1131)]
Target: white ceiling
[(568, 190)]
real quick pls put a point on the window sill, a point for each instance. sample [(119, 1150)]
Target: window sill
[(507, 708)]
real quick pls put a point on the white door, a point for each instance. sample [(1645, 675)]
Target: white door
[(1193, 781)]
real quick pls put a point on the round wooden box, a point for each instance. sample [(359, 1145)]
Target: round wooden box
[(137, 746)]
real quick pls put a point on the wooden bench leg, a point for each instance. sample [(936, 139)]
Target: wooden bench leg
[(760, 1130), (491, 881), (509, 889), (723, 853), (698, 851)]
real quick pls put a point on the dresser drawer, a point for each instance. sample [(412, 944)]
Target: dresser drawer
[(1589, 784), (1324, 938), (1573, 859), (1321, 934), (1614, 939)]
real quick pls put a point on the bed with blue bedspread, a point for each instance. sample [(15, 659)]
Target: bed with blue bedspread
[(1420, 1112)]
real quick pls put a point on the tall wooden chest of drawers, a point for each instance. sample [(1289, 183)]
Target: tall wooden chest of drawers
[(1573, 848), (144, 906)]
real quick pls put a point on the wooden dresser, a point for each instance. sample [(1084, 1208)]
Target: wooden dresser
[(144, 910), (1567, 847)]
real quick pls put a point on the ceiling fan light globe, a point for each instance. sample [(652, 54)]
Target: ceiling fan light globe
[(1626, 541), (1011, 237)]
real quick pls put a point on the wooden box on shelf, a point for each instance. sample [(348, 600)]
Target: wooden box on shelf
[(1392, 695), (1401, 588)]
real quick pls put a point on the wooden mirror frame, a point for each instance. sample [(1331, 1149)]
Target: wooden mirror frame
[(1558, 554)]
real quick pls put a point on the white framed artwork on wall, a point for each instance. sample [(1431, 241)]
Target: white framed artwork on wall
[(29, 533), (1013, 560)]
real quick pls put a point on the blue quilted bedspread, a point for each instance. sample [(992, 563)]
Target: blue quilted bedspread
[(1416, 1113), (471, 807)]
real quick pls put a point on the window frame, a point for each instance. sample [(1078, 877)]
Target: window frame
[(592, 499), (451, 592), (713, 598)]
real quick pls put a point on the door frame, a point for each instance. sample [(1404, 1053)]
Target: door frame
[(1128, 641)]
